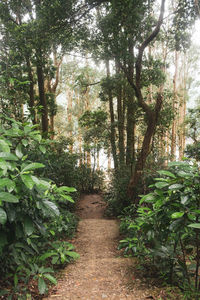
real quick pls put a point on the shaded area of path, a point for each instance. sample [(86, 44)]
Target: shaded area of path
[(99, 273)]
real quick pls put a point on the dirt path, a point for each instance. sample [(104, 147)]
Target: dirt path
[(99, 273)]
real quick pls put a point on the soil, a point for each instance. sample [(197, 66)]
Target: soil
[(101, 272)]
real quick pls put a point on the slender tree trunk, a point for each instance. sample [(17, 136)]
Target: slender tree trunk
[(150, 88), (88, 160), (22, 111), (31, 90), (146, 148), (69, 118), (174, 106), (130, 133), (109, 160), (182, 113), (98, 162), (42, 98), (120, 113), (112, 119), (40, 77), (87, 107), (52, 126)]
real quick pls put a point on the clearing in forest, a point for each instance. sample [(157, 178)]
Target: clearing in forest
[(100, 273)]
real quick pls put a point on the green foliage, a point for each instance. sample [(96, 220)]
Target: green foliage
[(166, 230), (193, 132), (61, 253), (31, 210), (61, 167), (89, 180), (117, 196)]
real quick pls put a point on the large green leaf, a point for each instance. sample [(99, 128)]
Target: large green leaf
[(3, 165), (176, 186), (27, 180), (184, 174), (167, 173), (67, 197), (3, 216), (32, 167), (27, 129), (177, 215), (43, 184), (161, 185), (73, 254), (25, 142), (177, 163), (7, 197), (6, 182), (4, 146), (18, 151), (41, 285), (195, 225), (66, 189), (8, 156), (50, 278), (47, 255), (148, 198), (51, 207), (28, 225), (42, 149), (184, 199)]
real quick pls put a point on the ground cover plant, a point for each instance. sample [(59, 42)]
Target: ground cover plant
[(165, 231), (33, 216)]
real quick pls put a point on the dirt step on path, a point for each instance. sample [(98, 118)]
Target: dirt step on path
[(99, 273)]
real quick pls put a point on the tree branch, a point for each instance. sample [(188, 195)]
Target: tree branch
[(146, 43), (137, 86)]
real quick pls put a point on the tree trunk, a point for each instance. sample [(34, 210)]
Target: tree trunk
[(130, 133), (112, 119), (146, 148), (130, 127), (174, 106), (80, 150), (52, 126), (31, 90), (109, 160), (182, 112), (42, 98), (69, 118), (87, 107), (98, 162), (120, 113)]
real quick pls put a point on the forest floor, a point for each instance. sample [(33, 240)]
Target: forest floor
[(101, 272)]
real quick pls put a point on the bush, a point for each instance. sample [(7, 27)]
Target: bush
[(166, 230), (117, 196), (89, 180), (30, 210), (62, 167)]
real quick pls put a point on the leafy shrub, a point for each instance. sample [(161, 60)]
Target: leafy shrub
[(30, 208), (117, 196), (62, 167), (89, 180), (166, 230)]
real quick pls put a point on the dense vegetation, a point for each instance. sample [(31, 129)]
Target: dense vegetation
[(82, 81), (34, 214)]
